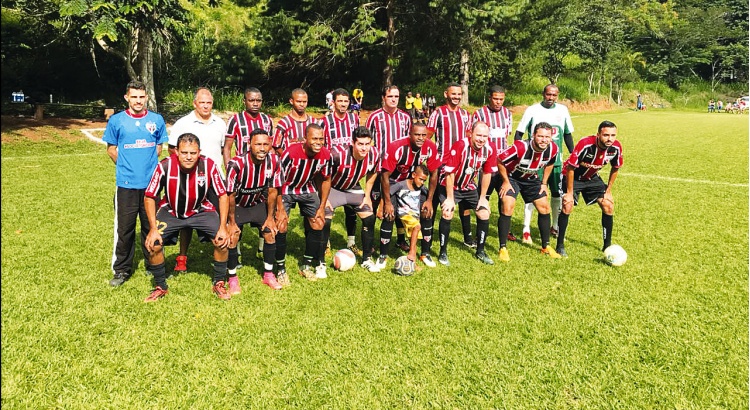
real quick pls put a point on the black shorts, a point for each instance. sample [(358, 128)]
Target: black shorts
[(592, 189), (529, 190), (495, 183), (308, 203), (255, 215), (206, 224), (352, 197), (469, 199)]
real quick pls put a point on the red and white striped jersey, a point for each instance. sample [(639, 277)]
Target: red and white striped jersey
[(465, 162), (587, 158), (250, 180), (346, 171), (289, 131), (522, 162), (448, 126), (401, 160), (500, 123), (242, 124), (339, 131), (185, 193), (298, 170), (386, 128)]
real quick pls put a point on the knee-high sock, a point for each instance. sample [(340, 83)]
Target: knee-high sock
[(234, 259), (503, 227), (465, 222), (607, 222), (483, 225), (386, 234), (556, 204), (220, 271), (160, 275), (544, 220), (563, 227), (368, 235), (400, 231), (444, 230), (281, 251), (269, 254), (528, 211), (350, 219), (427, 226), (325, 237)]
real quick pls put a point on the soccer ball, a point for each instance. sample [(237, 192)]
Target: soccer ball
[(404, 266), (615, 255), (344, 260)]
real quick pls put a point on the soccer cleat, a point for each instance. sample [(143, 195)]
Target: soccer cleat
[(270, 279), (328, 251), (443, 259), (403, 246), (553, 232), (504, 256), (283, 278), (117, 280), (181, 265), (370, 265), (482, 256), (511, 237), (561, 251), (471, 243), (308, 272), (355, 249), (380, 264), (320, 272), (527, 238), (234, 285), (550, 252), (156, 294), (427, 260), (220, 289)]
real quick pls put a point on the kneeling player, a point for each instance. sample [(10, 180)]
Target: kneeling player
[(186, 178)]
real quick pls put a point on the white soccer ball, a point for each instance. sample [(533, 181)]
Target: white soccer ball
[(404, 266), (615, 255), (344, 259)]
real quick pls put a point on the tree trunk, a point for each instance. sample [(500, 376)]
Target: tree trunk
[(464, 74), (390, 46), (591, 82), (146, 62)]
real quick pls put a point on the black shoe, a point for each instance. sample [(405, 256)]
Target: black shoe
[(471, 243), (403, 246), (482, 256), (118, 279), (561, 251)]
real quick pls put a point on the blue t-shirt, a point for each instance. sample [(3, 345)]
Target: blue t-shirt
[(136, 140)]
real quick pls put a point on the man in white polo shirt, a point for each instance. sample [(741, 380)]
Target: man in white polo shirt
[(210, 130)]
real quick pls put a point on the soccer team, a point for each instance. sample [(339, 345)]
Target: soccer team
[(319, 165)]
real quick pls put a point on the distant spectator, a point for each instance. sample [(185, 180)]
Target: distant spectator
[(639, 103), (418, 114), (719, 106), (431, 104), (410, 104), (357, 95), (711, 105)]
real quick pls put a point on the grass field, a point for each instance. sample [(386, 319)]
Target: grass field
[(669, 330)]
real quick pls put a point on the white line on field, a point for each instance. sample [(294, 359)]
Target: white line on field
[(91, 136), (54, 156), (687, 180)]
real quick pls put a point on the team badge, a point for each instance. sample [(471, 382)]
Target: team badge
[(151, 127), (201, 179), (469, 171)]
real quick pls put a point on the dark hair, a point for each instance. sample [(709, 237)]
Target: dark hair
[(135, 85), (423, 168), (257, 131), (497, 89), (298, 91), (543, 125), (312, 126), (252, 90), (389, 88), (361, 132), (418, 124), (453, 85), (606, 124), (188, 138), (340, 91), (549, 86)]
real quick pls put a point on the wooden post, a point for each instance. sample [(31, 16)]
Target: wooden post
[(108, 112), (39, 112)]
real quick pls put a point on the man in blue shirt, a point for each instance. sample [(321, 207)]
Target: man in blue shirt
[(134, 139)]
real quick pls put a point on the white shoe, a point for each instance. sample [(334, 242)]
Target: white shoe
[(320, 272), (527, 238), (380, 264), (370, 265)]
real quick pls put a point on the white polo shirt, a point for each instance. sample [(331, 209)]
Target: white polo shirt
[(211, 135)]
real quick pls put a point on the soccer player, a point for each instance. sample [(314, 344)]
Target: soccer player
[(500, 121), (556, 114), (348, 166), (448, 123), (134, 140), (186, 177), (582, 176), (253, 193), (305, 180), (388, 124), (519, 167), (407, 195), (209, 129), (291, 128), (402, 158), (458, 184)]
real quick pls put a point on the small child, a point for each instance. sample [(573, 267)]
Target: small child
[(407, 196)]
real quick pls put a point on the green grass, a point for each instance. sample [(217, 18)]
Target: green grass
[(667, 330)]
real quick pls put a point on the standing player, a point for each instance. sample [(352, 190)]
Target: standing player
[(186, 177), (134, 139), (519, 167), (500, 121), (209, 129), (291, 128), (449, 123), (253, 194), (304, 180), (348, 166), (557, 115), (582, 176), (458, 184), (400, 161), (388, 124)]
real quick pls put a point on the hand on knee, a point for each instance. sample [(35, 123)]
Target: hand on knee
[(483, 214)]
